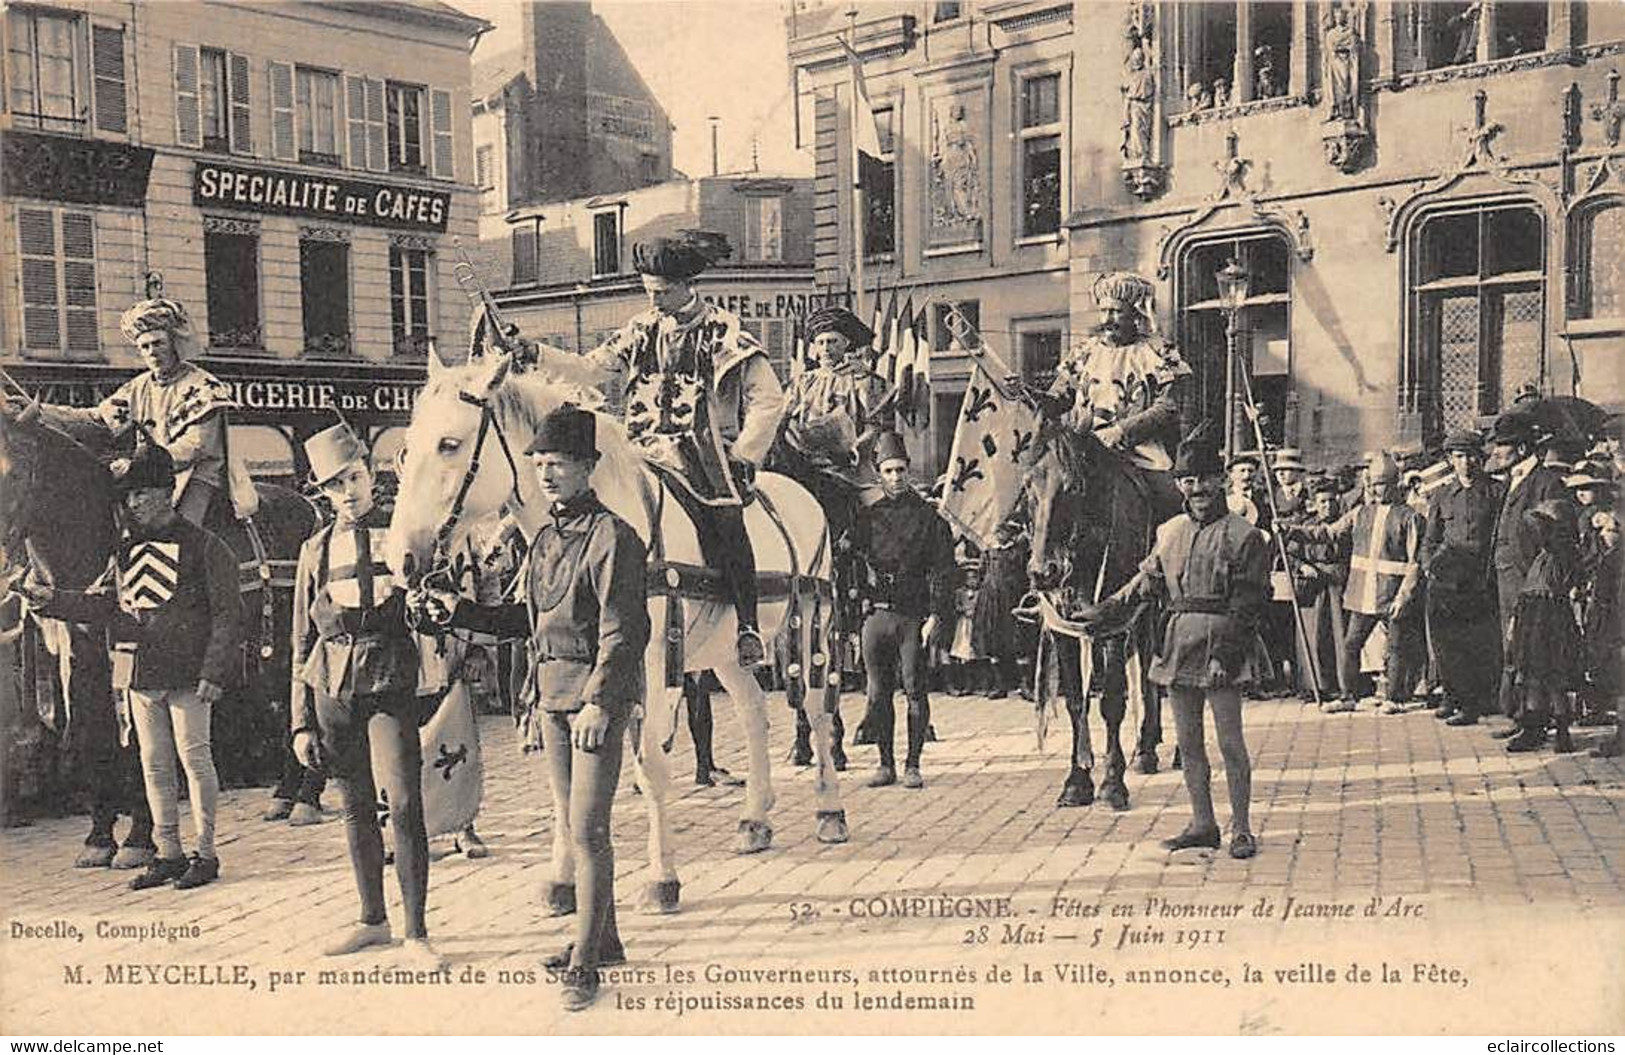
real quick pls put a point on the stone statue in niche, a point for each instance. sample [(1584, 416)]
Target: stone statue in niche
[(1221, 93), (956, 176), (1197, 97), (1264, 81), (1340, 52), (1139, 105)]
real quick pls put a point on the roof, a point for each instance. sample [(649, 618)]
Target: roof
[(420, 12), (496, 72)]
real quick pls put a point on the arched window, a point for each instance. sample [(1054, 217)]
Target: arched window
[(1478, 310), (1599, 263), (1263, 345)]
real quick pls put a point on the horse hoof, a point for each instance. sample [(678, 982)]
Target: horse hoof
[(473, 846), (832, 826), (132, 857), (754, 837), (801, 761), (1116, 795), (1179, 763), (1148, 762), (560, 899), (1077, 793), (839, 762), (661, 898), (95, 857)]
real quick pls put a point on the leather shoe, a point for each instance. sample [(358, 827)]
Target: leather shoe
[(1461, 718), (912, 778), (1444, 714), (1505, 734), (580, 989), (278, 810), (1188, 839), (304, 815), (1527, 740), (162, 871), (362, 936), (1243, 845), (199, 870), (612, 956), (884, 777)]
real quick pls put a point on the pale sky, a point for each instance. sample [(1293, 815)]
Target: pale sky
[(700, 57)]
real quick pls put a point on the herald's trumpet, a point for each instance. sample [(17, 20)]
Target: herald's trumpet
[(504, 334)]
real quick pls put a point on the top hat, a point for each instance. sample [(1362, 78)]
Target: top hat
[(331, 449), (889, 446), (1288, 458), (567, 430)]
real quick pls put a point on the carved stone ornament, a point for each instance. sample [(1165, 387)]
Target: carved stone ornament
[(1345, 133), (1144, 174), (1344, 143), (1145, 181), (1610, 115), (1233, 192)]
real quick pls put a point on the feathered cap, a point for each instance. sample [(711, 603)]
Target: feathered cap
[(155, 313), (836, 319), (1122, 289), (682, 257)]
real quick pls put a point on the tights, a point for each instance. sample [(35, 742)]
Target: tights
[(1198, 770), (583, 794)]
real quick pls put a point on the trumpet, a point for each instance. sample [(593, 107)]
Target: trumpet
[(503, 334)]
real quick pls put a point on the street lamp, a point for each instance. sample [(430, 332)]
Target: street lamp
[(581, 290), (1232, 280)]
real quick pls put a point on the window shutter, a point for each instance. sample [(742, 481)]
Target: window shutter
[(377, 128), (188, 117), (283, 144), (36, 237), (355, 121), (242, 128), (79, 280), (440, 121), (524, 255), (107, 66)]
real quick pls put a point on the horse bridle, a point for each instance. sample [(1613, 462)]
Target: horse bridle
[(439, 574)]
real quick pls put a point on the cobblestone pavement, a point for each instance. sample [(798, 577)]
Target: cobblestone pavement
[(1400, 843)]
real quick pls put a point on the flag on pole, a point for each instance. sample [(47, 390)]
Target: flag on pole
[(798, 347), (920, 383), (866, 162), (886, 332), (993, 439), (901, 374)]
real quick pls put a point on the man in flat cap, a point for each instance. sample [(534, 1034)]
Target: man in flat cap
[(1513, 452), (1385, 538), (178, 405), (1122, 382), (702, 405), (1461, 602)]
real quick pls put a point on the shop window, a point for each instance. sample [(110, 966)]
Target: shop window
[(1040, 137), (316, 106), (945, 328), (1040, 354), (404, 107), (324, 292), (523, 244), (1263, 347), (231, 264), (1478, 300), (409, 268), (880, 190), (764, 229), (45, 63), (1600, 255), (606, 243), (57, 254)]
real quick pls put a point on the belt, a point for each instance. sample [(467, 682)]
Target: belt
[(1202, 605)]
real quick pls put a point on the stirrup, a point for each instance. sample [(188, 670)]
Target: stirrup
[(749, 649)]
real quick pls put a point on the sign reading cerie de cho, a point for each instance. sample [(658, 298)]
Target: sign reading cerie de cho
[(320, 197)]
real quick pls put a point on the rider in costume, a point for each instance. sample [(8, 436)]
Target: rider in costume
[(179, 405), (702, 405)]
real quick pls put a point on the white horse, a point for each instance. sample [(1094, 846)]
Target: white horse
[(464, 457)]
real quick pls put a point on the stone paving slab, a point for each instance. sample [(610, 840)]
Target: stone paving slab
[(1394, 841)]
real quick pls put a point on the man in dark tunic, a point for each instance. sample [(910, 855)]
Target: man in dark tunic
[(1461, 603), (1211, 568), (1321, 569), (1513, 452), (907, 577)]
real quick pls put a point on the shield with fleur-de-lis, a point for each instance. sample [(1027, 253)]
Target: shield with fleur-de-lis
[(992, 437)]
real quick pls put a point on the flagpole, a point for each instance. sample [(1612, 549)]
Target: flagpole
[(857, 168)]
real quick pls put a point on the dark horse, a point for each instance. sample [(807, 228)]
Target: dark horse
[(1094, 518), (57, 514)]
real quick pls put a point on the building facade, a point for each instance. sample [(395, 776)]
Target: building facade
[(1426, 199), (973, 107), (296, 173), (566, 115), (569, 263)]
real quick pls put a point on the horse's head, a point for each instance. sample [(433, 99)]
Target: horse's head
[(17, 457), (464, 456), (49, 481), (1056, 494)]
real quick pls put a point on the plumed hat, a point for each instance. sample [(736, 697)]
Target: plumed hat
[(150, 467), (1199, 453), (1464, 440), (155, 313), (682, 257), (889, 446), (835, 319), (331, 449), (1122, 289), (567, 430)]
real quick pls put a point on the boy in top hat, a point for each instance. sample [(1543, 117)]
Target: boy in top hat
[(179, 405), (1456, 555), (587, 620), (1211, 568), (702, 405), (171, 605), (908, 577), (354, 701), (1385, 537)]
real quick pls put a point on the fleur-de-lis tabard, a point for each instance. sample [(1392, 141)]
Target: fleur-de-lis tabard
[(965, 472), (978, 401), (1023, 444), (450, 760), (990, 445)]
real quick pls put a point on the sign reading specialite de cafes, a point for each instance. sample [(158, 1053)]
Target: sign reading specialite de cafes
[(320, 197)]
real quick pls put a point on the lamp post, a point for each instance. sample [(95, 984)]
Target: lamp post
[(1232, 280), (576, 294)]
